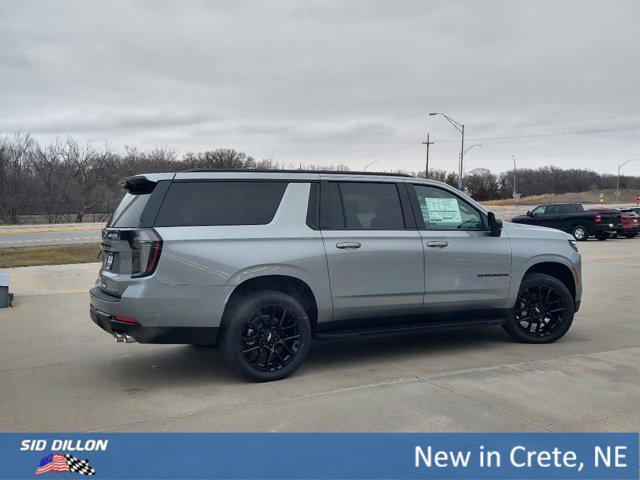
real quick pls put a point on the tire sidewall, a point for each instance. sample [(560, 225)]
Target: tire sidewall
[(542, 279), (583, 228), (231, 342)]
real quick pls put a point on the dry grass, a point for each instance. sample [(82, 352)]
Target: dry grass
[(591, 196), (58, 255)]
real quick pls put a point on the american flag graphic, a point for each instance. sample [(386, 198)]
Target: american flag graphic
[(59, 463)]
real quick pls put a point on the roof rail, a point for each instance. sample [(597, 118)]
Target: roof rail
[(254, 170)]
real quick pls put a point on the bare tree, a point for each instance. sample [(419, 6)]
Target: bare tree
[(15, 177), (86, 168)]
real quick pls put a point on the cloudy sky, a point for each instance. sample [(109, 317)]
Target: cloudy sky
[(324, 82)]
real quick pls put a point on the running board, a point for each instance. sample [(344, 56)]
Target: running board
[(404, 329)]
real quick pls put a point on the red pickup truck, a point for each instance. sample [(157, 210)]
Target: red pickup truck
[(630, 226)]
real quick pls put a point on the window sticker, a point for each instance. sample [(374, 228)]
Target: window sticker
[(441, 210)]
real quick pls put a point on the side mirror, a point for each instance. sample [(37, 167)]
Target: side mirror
[(495, 224), (529, 214)]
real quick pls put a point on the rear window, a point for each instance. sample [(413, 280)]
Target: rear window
[(128, 213), (371, 206), (220, 203)]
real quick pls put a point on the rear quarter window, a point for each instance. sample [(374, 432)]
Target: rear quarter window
[(129, 212), (213, 203)]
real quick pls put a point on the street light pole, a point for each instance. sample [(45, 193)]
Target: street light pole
[(466, 150), (460, 127), (618, 183), (369, 164), (461, 158), (515, 200)]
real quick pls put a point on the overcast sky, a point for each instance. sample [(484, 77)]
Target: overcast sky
[(332, 82)]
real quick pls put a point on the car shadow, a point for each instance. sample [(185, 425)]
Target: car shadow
[(183, 366)]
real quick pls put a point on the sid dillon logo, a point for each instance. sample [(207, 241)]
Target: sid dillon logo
[(57, 462)]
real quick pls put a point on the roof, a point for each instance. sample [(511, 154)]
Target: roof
[(318, 172)]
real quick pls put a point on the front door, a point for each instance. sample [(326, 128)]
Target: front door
[(466, 268), (375, 259)]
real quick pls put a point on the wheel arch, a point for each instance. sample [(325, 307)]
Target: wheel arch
[(557, 270), (287, 284)]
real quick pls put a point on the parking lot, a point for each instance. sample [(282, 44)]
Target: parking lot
[(59, 372)]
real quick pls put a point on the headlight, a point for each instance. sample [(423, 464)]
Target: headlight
[(573, 244)]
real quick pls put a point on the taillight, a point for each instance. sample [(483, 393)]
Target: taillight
[(598, 218), (146, 246)]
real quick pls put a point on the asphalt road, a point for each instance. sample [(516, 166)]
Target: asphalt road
[(59, 372), (16, 236)]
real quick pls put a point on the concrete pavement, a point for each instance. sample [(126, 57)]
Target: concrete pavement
[(58, 371)]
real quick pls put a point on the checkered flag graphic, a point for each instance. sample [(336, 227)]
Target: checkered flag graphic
[(79, 466)]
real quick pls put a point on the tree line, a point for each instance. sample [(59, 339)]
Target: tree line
[(65, 180)]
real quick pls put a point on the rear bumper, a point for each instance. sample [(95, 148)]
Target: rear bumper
[(105, 318), (629, 231)]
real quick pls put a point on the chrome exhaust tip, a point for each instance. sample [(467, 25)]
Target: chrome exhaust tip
[(119, 337), (129, 339)]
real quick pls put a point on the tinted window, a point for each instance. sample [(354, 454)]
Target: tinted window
[(372, 206), (539, 210), (128, 213), (331, 215), (442, 210), (220, 203), (553, 210), (568, 209)]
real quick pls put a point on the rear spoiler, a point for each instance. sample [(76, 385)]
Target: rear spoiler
[(138, 185)]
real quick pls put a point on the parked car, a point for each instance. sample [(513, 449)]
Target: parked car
[(635, 210), (630, 226), (262, 262), (573, 219)]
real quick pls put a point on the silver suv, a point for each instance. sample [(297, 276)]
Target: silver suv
[(262, 262)]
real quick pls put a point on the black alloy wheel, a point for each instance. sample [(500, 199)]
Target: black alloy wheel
[(270, 337), (266, 335), (543, 311)]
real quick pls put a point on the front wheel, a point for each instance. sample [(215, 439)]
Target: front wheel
[(579, 232), (267, 336), (543, 311)]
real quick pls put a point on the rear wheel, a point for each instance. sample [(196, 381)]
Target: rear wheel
[(267, 336), (579, 232), (543, 311)]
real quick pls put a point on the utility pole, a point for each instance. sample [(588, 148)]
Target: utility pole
[(426, 166)]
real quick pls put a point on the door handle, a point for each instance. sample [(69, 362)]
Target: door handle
[(440, 244), (348, 245)]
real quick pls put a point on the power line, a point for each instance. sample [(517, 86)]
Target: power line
[(551, 134)]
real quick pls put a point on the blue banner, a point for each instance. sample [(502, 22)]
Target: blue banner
[(321, 455)]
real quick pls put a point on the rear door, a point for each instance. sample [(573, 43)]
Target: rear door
[(465, 266), (374, 252)]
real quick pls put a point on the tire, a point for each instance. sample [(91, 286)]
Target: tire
[(266, 336), (579, 232), (601, 236), (616, 235), (543, 312)]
